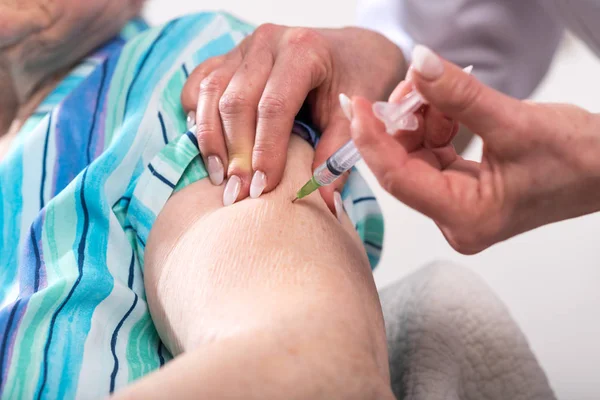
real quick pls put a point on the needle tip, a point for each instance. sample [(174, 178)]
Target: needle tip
[(293, 201)]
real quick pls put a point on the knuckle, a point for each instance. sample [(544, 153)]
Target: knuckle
[(311, 50), (468, 90), (213, 84), (272, 106), (208, 141), (205, 129), (441, 132), (304, 37), (389, 182), (189, 97), (266, 32), (362, 134), (207, 66), (308, 43), (267, 149), (532, 118), (234, 103)]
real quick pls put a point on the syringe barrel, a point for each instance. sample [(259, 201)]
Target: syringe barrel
[(341, 161)]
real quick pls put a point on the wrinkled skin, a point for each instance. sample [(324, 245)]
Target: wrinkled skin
[(450, 337)]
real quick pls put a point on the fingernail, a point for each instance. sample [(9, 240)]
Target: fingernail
[(346, 106), (232, 189), (427, 63), (258, 184), (215, 170), (468, 69), (191, 120), (337, 203)]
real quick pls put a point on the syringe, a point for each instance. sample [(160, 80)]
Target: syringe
[(391, 114)]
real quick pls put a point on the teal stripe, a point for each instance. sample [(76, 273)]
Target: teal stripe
[(11, 192), (147, 80)]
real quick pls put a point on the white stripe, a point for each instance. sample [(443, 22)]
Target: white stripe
[(97, 357), (97, 363), (33, 155)]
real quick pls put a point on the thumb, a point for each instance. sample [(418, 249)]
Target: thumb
[(334, 136), (461, 96)]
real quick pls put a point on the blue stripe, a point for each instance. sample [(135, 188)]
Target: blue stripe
[(161, 358), (160, 177), (374, 245), (5, 339), (38, 261), (131, 264), (162, 126), (113, 340), (144, 59), (361, 199), (43, 180), (185, 71), (80, 261), (95, 114), (137, 235), (192, 137)]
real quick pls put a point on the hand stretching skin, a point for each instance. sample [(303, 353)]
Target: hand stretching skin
[(540, 162), (246, 101)]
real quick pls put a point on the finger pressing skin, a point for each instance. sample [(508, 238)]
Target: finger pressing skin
[(208, 121), (238, 110), (296, 72), (411, 179), (191, 88)]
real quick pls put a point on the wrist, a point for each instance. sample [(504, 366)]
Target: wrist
[(562, 167), (372, 57), (588, 151)]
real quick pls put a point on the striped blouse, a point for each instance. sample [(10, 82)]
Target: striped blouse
[(80, 188)]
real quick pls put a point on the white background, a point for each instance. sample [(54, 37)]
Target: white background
[(549, 278)]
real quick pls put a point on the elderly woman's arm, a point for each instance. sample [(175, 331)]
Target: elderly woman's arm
[(263, 297)]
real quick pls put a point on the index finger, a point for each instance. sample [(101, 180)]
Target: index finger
[(191, 88), (410, 178), (293, 76)]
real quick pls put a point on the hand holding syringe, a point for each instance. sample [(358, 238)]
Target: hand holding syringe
[(393, 115)]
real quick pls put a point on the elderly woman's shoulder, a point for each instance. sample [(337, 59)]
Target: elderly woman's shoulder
[(181, 44), (197, 28)]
